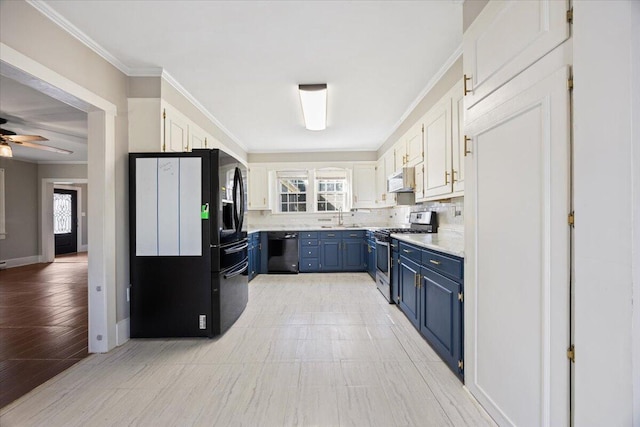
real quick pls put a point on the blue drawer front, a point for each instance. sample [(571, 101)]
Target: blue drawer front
[(411, 252), (448, 265), (309, 252), (308, 242), (308, 265), (326, 235), (308, 235), (356, 234)]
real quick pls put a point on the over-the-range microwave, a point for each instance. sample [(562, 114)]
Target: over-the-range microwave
[(402, 181)]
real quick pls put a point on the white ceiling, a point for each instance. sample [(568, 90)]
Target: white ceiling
[(31, 112), (243, 60)]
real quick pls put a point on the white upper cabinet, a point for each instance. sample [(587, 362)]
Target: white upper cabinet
[(384, 168), (419, 191), (414, 145), (437, 144), (196, 137), (399, 155), (364, 186), (258, 191), (506, 38), (174, 131), (457, 139)]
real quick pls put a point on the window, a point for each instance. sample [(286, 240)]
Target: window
[(331, 194), (292, 192)]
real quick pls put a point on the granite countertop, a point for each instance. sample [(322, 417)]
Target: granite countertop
[(449, 242)]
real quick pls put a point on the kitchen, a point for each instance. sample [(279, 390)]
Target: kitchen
[(618, 313)]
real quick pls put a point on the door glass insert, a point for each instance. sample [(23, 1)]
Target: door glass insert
[(61, 213)]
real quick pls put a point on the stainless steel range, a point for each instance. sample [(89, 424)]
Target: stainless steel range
[(421, 222)]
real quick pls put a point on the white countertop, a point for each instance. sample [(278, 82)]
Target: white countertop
[(449, 242), (311, 228)]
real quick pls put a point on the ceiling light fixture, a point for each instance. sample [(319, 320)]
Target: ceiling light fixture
[(314, 105), (5, 150)]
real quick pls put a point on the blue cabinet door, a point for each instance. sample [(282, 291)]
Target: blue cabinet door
[(410, 299), (353, 255), (441, 316), (371, 259), (330, 255), (264, 253)]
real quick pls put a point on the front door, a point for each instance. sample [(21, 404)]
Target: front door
[(65, 220)]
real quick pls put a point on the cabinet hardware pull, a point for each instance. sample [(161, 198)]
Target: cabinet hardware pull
[(434, 262), (466, 90), (466, 150), (264, 200), (446, 177), (453, 176), (331, 235), (394, 246), (406, 251)]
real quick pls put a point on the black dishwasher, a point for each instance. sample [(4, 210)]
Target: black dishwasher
[(283, 252)]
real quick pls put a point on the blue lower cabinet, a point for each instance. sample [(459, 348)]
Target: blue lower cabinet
[(408, 273), (264, 253), (309, 252), (353, 255), (430, 291), (330, 255), (441, 316), (371, 258), (395, 272), (254, 251)]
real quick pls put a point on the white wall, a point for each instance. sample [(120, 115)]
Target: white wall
[(605, 199)]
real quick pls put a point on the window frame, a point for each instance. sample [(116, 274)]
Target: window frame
[(312, 176)]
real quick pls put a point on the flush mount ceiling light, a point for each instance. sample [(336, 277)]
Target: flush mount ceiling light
[(5, 150), (314, 105)]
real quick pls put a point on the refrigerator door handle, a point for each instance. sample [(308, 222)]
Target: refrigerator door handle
[(236, 249), (237, 272)]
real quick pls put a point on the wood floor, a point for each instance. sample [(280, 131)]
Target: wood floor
[(310, 349), (43, 323)]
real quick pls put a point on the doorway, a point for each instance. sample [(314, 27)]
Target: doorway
[(65, 221)]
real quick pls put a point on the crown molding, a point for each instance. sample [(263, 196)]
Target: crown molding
[(184, 92), (63, 23), (434, 80)]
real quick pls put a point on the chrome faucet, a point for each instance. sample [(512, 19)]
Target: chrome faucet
[(340, 219)]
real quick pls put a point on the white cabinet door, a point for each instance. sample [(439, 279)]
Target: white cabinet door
[(381, 183), (457, 139), (258, 191), (437, 143), (196, 137), (174, 132), (390, 168), (400, 155), (506, 38), (364, 186), (419, 191), (517, 256), (414, 145)]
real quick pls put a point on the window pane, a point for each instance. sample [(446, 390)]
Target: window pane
[(284, 207), (302, 198), (331, 186), (339, 186), (302, 208), (61, 213)]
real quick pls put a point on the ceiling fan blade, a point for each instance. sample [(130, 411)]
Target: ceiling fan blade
[(42, 147), (25, 138)]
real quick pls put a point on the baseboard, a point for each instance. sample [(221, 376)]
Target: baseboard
[(17, 262), (83, 248), (122, 331)]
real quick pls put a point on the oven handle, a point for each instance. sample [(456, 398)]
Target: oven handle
[(245, 264), (380, 242)]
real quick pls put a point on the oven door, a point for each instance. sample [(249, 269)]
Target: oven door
[(383, 259)]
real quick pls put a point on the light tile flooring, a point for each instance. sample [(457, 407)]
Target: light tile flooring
[(310, 349)]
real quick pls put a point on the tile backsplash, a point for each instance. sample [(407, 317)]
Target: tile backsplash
[(450, 216)]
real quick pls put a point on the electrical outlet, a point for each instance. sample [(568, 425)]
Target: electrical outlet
[(203, 321)]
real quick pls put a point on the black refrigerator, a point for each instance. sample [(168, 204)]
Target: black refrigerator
[(188, 245)]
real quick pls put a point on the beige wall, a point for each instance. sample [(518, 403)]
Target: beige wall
[(21, 209), (450, 78)]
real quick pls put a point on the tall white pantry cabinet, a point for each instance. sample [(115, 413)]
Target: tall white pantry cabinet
[(518, 198)]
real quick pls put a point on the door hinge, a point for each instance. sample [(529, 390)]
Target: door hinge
[(570, 16), (460, 297), (164, 114), (423, 128), (571, 353), (571, 219), (460, 364), (570, 83)]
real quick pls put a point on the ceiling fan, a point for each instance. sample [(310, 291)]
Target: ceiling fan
[(7, 136)]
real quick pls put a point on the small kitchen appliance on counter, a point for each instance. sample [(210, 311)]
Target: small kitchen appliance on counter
[(421, 222)]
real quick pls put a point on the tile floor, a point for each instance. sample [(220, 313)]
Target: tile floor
[(310, 349)]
